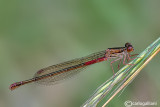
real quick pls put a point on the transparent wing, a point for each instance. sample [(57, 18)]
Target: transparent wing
[(60, 77), (75, 67)]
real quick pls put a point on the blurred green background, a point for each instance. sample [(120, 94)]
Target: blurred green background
[(38, 33)]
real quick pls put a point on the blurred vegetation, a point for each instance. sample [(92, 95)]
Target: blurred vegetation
[(37, 33)]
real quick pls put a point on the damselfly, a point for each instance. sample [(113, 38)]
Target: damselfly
[(58, 72)]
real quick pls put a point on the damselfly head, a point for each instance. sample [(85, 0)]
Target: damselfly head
[(129, 47)]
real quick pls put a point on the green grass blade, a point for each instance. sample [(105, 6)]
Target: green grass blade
[(124, 76)]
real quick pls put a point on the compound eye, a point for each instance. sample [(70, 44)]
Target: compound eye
[(127, 44), (130, 49)]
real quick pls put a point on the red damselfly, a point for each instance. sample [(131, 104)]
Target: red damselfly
[(58, 72)]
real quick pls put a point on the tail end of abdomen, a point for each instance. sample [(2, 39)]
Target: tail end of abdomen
[(15, 85)]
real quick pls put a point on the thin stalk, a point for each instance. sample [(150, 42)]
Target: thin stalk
[(124, 76)]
